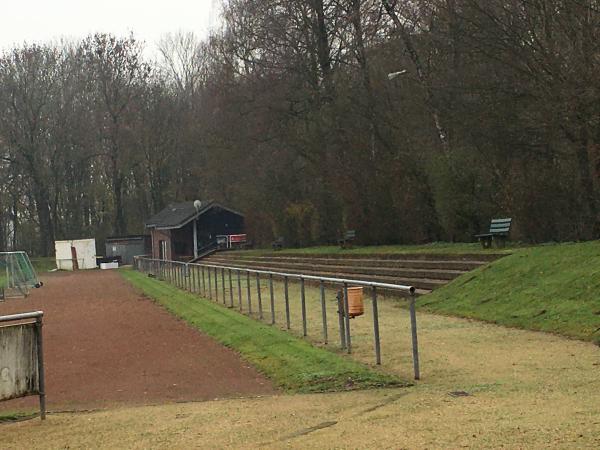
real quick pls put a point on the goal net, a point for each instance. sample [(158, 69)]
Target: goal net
[(17, 275)]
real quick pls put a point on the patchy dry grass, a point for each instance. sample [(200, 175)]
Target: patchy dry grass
[(527, 390), (368, 419)]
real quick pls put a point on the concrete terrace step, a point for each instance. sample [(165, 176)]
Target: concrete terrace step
[(483, 257), (459, 265), (438, 274), (419, 283)]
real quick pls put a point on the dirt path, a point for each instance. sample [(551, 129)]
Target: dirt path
[(105, 344)]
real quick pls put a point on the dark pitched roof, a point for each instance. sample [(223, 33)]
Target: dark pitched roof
[(179, 214), (130, 237), (173, 215)]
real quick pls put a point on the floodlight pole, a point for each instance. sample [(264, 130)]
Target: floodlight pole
[(195, 238)]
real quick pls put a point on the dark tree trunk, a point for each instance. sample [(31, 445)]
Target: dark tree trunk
[(3, 228), (587, 184), (585, 170), (119, 225), (42, 205)]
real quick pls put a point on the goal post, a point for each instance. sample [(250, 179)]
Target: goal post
[(17, 274)]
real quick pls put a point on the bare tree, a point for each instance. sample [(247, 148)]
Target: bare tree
[(118, 73)]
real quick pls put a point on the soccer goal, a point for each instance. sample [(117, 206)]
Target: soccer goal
[(17, 275)]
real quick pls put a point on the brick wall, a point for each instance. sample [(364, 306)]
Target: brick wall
[(157, 236)]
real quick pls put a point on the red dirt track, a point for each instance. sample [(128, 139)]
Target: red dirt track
[(105, 344)]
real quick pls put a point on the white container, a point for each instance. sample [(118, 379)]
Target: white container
[(110, 265), (84, 249)]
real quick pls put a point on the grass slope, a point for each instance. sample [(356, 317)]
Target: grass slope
[(293, 364), (549, 288)]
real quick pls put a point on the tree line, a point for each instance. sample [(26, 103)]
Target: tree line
[(408, 121)]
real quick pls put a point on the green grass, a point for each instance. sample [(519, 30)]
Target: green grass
[(435, 247), (43, 264), (10, 416), (293, 364), (548, 288)]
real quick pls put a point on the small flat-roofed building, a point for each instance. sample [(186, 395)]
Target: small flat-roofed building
[(126, 247), (187, 230)]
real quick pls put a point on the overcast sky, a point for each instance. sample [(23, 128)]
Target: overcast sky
[(46, 20)]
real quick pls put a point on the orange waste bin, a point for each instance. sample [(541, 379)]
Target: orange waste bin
[(355, 302)]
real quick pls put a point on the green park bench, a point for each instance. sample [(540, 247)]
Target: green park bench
[(348, 239), (277, 244), (499, 230)]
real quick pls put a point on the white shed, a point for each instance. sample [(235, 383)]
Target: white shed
[(83, 251)]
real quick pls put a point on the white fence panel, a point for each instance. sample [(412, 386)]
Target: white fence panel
[(19, 374)]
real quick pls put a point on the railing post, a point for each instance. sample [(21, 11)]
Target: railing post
[(340, 303), (216, 285), (188, 276), (260, 310), (223, 283), (230, 290), (191, 275), (248, 293), (376, 325), (323, 310), (287, 302), (272, 299), (347, 320), (209, 283), (40, 361), (203, 282), (415, 343), (303, 306), (239, 281)]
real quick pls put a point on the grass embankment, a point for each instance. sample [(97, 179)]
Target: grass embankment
[(293, 364), (554, 288)]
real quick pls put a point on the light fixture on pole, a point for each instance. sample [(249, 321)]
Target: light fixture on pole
[(393, 75)]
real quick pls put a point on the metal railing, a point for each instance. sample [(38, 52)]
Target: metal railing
[(203, 279)]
